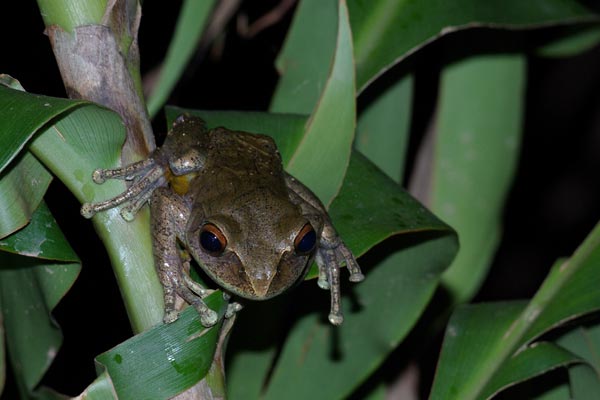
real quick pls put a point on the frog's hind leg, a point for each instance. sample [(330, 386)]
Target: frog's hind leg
[(194, 286), (207, 316)]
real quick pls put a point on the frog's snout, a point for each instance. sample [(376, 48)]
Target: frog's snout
[(261, 282)]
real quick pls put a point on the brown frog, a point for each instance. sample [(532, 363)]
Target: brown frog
[(224, 197)]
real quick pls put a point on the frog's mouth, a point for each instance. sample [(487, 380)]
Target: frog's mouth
[(228, 272)]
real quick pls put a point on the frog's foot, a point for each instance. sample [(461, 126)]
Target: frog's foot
[(195, 287), (208, 317), (170, 317), (193, 293), (329, 258), (202, 292), (232, 309), (146, 176), (172, 289)]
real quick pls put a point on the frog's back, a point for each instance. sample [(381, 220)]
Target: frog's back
[(244, 152), (238, 163)]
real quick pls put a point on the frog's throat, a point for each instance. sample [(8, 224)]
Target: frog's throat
[(179, 183)]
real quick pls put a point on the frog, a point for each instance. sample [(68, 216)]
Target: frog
[(223, 198)]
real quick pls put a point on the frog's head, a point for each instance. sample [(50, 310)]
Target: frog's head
[(257, 250)]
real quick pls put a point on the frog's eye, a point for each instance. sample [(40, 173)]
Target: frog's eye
[(212, 239), (306, 240)]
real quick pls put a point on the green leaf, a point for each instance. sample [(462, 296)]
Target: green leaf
[(41, 238), (165, 360), (378, 393), (584, 382), (390, 209), (471, 357), (304, 62), (327, 141), (30, 288), (384, 127), (575, 41), (560, 392), (475, 154), (188, 31), (88, 138), (471, 335), (24, 182), (22, 187), (537, 359), (253, 346), (386, 304), (101, 389), (2, 353), (584, 341), (23, 114), (387, 31), (329, 132)]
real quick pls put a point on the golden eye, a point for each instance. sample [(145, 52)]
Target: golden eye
[(305, 240), (212, 239)]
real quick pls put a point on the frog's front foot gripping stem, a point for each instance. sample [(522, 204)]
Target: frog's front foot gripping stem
[(329, 261), (146, 176)]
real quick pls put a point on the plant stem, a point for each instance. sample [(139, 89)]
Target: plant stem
[(95, 45)]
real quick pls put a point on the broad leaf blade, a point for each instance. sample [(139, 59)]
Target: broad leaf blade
[(32, 336), (2, 353), (30, 288), (472, 336), (475, 154), (165, 360), (41, 238), (383, 128), (22, 187), (305, 60), (188, 31), (327, 140), (569, 291), (23, 114), (577, 40), (533, 361), (386, 31), (386, 304), (390, 209), (585, 342), (101, 389), (250, 356)]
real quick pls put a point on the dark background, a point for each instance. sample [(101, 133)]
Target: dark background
[(554, 202)]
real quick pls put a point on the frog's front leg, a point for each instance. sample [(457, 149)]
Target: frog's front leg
[(331, 251), (146, 175), (169, 217)]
